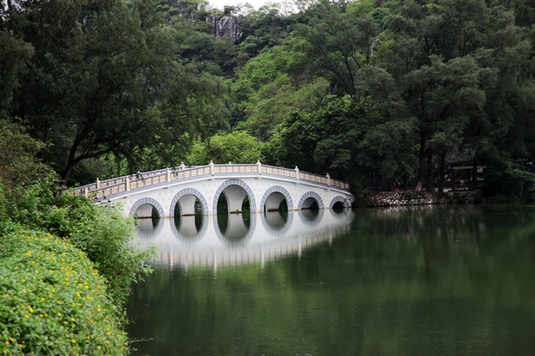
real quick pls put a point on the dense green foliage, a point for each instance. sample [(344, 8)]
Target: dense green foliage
[(66, 264), (53, 300), (100, 231), (235, 147), (114, 87)]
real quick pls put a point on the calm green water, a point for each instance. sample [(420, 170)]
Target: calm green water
[(401, 281)]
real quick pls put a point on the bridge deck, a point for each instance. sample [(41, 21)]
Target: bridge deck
[(139, 181)]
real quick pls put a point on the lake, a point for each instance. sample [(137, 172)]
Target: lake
[(431, 280)]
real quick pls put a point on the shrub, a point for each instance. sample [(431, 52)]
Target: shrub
[(408, 195), (53, 300), (100, 231)]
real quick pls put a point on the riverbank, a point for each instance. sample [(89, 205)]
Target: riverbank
[(419, 198)]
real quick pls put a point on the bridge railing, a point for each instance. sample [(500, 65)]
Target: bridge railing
[(140, 180)]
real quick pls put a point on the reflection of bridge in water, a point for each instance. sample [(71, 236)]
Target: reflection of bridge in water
[(239, 239)]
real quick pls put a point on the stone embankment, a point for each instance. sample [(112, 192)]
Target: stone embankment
[(420, 198)]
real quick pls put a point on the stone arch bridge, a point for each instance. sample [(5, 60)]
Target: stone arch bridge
[(180, 190)]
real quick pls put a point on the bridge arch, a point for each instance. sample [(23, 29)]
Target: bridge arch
[(144, 206), (273, 197), (186, 200), (340, 199), (235, 191), (308, 199)]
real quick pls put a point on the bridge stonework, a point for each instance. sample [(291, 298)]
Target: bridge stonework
[(182, 190)]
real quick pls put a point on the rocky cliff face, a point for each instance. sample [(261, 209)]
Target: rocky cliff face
[(226, 26), (222, 26)]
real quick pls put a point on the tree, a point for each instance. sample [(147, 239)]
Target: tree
[(274, 84), (440, 64), (347, 139), (105, 79), (13, 54), (235, 147), (19, 166), (340, 43)]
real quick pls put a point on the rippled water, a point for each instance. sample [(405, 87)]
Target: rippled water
[(399, 281)]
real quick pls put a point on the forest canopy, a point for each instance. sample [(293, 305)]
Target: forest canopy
[(358, 89)]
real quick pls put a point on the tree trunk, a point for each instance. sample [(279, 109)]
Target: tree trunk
[(421, 168), (430, 172), (67, 173), (442, 172)]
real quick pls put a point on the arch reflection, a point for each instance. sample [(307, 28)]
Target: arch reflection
[(277, 222), (234, 229), (148, 228), (264, 237), (189, 228)]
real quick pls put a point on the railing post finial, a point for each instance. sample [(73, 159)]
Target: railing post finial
[(328, 179), (182, 166), (212, 167), (98, 183), (296, 172), (259, 165)]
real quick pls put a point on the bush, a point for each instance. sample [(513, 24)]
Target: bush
[(100, 231), (511, 179), (53, 301)]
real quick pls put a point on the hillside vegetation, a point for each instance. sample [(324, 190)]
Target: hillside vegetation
[(357, 89)]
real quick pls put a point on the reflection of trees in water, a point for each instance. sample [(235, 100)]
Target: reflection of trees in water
[(435, 233)]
